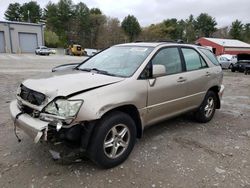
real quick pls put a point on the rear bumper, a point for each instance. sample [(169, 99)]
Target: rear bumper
[(34, 127)]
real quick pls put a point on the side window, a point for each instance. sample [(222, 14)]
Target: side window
[(193, 60), (210, 56), (170, 58)]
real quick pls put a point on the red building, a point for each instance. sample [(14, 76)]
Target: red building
[(225, 46)]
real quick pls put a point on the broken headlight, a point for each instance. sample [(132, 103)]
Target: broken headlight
[(61, 109)]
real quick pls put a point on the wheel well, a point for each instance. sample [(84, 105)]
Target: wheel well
[(132, 111), (216, 90)]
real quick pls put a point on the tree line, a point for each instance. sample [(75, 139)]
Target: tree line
[(67, 23)]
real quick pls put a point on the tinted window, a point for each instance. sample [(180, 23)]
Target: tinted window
[(209, 55), (193, 60), (170, 58)]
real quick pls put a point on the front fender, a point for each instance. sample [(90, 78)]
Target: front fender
[(99, 101)]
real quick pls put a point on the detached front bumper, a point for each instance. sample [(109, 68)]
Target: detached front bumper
[(34, 127)]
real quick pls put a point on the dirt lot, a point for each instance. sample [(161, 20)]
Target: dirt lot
[(175, 153)]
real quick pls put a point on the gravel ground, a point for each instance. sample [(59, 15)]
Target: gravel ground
[(175, 153)]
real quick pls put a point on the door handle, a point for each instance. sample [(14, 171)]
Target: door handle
[(207, 74), (181, 79)]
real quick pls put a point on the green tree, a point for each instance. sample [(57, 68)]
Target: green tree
[(236, 30), (96, 23), (189, 31), (51, 38), (64, 16), (111, 33), (170, 27), (13, 12), (246, 33), (80, 24), (154, 32), (51, 17), (174, 29), (205, 25), (31, 12), (95, 11), (131, 27)]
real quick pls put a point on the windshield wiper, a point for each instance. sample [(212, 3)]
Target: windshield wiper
[(97, 71), (85, 69)]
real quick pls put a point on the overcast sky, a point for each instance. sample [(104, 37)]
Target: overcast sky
[(154, 11)]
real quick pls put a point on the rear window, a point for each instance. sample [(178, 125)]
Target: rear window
[(209, 55), (193, 60)]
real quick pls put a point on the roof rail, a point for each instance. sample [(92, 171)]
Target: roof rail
[(163, 40)]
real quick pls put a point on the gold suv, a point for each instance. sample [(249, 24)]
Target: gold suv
[(103, 104)]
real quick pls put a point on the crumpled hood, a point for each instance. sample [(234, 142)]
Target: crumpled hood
[(68, 84)]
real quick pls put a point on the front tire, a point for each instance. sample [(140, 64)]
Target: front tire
[(113, 139), (207, 109)]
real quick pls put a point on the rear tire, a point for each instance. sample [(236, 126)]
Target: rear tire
[(232, 69), (113, 140), (207, 109)]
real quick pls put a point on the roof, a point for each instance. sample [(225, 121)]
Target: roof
[(229, 42), (22, 23), (156, 44)]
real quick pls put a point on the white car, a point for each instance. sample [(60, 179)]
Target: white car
[(226, 62), (52, 51), (42, 50), (91, 52)]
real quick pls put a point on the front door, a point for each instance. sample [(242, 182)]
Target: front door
[(166, 93)]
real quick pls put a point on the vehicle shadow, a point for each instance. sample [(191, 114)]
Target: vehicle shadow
[(75, 157)]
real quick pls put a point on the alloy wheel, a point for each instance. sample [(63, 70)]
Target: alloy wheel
[(208, 110), (116, 141)]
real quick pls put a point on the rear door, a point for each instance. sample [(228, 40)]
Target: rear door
[(166, 94), (198, 76)]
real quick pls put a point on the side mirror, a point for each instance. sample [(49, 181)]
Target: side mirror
[(159, 70)]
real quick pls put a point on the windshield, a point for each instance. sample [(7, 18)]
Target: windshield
[(117, 61)]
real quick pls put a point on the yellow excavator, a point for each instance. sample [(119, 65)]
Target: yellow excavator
[(75, 50)]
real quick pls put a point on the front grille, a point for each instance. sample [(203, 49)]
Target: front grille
[(31, 96)]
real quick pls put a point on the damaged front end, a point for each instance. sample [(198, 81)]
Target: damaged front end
[(34, 127), (40, 119)]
